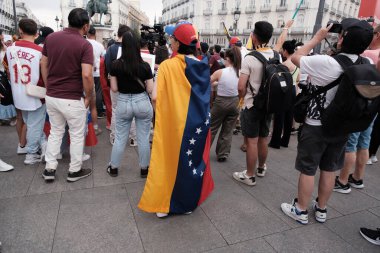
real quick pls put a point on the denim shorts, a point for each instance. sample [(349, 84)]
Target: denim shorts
[(359, 140)]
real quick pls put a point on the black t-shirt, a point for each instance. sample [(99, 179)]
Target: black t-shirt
[(129, 84)]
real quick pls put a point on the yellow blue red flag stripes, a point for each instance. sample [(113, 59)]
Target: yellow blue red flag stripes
[(179, 176)]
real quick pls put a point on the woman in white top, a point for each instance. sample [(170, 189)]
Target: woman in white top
[(283, 122), (225, 109)]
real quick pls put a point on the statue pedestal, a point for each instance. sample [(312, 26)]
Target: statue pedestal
[(103, 33)]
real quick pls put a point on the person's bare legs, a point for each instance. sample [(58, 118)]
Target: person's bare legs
[(251, 156), (305, 190), (21, 129), (262, 146), (325, 187), (349, 162), (362, 157)]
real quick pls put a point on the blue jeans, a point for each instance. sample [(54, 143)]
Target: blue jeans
[(35, 121), (359, 140), (131, 106)]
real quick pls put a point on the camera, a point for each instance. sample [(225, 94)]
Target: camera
[(336, 27), (152, 35)]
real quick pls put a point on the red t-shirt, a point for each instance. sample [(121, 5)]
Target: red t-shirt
[(214, 63), (66, 51)]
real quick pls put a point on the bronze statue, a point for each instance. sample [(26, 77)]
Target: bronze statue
[(99, 6)]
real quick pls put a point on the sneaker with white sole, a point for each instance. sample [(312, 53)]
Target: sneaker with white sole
[(21, 150), (369, 162), (341, 188), (320, 214), (85, 157), (162, 215), (5, 166), (32, 159), (243, 178), (75, 176), (261, 171), (358, 184), (373, 159), (373, 236), (48, 175), (292, 211)]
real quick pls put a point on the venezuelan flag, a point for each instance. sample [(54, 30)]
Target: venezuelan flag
[(179, 176)]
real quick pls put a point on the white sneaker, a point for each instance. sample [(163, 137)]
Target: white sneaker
[(112, 140), (297, 215), (374, 159), (20, 150), (5, 166), (32, 159), (243, 178), (85, 157), (260, 172), (162, 215), (320, 214), (369, 162)]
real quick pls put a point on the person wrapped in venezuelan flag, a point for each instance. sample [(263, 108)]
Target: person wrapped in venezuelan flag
[(179, 176)]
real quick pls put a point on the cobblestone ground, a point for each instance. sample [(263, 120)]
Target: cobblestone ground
[(99, 213)]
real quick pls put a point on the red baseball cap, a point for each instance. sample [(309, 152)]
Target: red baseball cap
[(185, 33), (235, 40)]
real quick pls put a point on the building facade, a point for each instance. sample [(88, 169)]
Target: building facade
[(208, 16), (122, 12), (370, 9), (6, 16), (23, 11)]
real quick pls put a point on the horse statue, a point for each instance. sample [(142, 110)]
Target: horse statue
[(99, 6)]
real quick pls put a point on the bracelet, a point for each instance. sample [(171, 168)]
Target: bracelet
[(285, 28)]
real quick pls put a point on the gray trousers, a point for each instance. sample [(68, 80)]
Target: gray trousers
[(224, 114)]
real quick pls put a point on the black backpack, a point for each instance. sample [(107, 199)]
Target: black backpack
[(275, 92), (357, 99)]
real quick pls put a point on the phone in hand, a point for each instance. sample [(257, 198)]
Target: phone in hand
[(336, 28)]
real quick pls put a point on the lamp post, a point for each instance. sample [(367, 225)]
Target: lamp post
[(236, 18), (56, 20), (15, 17)]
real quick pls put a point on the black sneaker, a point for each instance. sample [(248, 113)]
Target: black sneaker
[(341, 188), (358, 184), (101, 115), (144, 172), (373, 236), (48, 175), (113, 172), (75, 176)]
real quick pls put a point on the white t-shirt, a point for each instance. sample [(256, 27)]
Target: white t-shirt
[(29, 55), (98, 51), (228, 83), (254, 68), (322, 70)]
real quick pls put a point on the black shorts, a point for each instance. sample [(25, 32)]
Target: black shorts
[(315, 149), (255, 123)]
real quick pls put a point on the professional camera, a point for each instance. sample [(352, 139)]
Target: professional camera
[(152, 35)]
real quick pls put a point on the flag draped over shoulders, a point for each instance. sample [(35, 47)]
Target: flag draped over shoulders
[(179, 176)]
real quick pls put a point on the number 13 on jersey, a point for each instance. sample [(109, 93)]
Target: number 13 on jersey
[(24, 76)]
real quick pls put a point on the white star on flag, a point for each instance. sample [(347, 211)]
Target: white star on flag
[(189, 152), (199, 130), (202, 174), (209, 114), (194, 171), (190, 163), (192, 141), (207, 122)]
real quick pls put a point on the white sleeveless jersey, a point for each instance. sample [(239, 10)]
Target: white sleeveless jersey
[(29, 55)]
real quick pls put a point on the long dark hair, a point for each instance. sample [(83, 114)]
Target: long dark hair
[(234, 55), (130, 60)]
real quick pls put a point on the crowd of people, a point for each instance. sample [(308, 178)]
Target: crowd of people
[(194, 93)]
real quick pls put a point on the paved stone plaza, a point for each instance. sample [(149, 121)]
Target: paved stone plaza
[(99, 213)]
